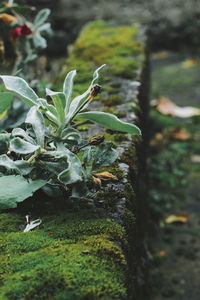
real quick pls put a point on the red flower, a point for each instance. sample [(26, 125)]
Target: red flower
[(25, 30), (20, 31), (16, 33)]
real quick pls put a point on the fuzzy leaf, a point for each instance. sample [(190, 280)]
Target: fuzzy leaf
[(78, 101), (6, 99), (59, 103), (67, 88), (39, 41), (21, 88), (6, 162), (21, 190), (20, 146), (50, 111), (35, 118), (41, 17), (109, 121), (19, 132), (104, 156)]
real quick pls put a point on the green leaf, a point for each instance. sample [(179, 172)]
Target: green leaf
[(67, 88), (22, 167), (50, 111), (6, 99), (79, 100), (59, 103), (19, 132), (104, 156), (73, 172), (35, 118), (38, 41), (71, 134), (41, 17), (7, 163), (21, 88), (20, 146), (15, 189), (109, 121)]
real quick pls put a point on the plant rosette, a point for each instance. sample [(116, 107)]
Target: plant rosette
[(48, 149)]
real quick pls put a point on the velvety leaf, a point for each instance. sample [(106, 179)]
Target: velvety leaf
[(19, 132), (104, 156), (50, 111), (73, 172), (59, 103), (23, 166), (21, 88), (20, 146), (6, 99), (7, 163), (46, 27), (109, 121), (39, 41), (67, 88), (41, 17), (71, 134), (78, 101), (35, 118), (21, 190)]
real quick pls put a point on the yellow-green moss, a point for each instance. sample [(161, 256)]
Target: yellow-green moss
[(99, 43), (71, 256)]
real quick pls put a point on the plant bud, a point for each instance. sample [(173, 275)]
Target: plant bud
[(97, 140), (95, 90)]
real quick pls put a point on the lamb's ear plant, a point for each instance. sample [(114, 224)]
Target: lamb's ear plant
[(49, 150)]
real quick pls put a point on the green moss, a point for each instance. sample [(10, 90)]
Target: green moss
[(100, 43), (112, 100), (60, 259)]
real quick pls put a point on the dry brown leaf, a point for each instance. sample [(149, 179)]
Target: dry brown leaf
[(7, 19), (195, 158), (162, 253), (188, 63), (180, 134), (96, 180), (158, 137), (180, 218), (160, 55), (105, 175), (167, 107)]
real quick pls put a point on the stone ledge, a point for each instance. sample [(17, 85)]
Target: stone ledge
[(87, 249)]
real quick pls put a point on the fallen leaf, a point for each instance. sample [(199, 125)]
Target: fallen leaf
[(179, 218), (162, 253), (96, 180), (86, 252), (160, 55), (195, 158), (180, 134), (158, 137), (32, 225), (188, 63), (105, 175), (167, 107)]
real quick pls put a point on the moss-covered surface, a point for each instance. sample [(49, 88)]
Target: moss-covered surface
[(71, 256), (85, 254)]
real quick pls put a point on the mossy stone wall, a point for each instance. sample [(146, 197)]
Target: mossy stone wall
[(87, 249)]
